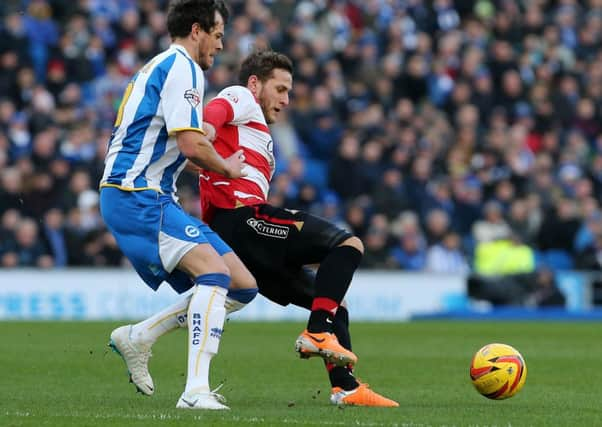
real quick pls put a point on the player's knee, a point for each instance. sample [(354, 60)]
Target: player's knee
[(247, 281), (354, 242), (219, 266)]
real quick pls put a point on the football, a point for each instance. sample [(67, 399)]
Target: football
[(498, 371)]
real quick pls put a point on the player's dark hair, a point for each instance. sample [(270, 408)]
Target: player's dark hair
[(262, 64), (182, 14)]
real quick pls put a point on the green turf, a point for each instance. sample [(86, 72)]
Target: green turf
[(61, 374)]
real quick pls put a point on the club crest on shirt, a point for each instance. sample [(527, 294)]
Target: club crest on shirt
[(232, 97), (193, 97), (192, 231), (269, 230)]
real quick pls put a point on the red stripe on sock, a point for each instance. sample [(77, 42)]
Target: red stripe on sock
[(330, 366), (326, 304)]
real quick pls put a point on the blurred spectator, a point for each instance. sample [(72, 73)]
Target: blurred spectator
[(410, 254), (8, 225), (26, 250), (492, 226), (89, 211), (522, 221), (347, 185), (390, 196), (54, 235), (590, 257), (559, 227), (537, 289), (436, 226), (503, 257), (545, 292), (376, 251), (11, 190), (446, 256)]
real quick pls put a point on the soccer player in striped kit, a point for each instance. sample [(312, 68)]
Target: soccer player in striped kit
[(158, 130), (275, 243)]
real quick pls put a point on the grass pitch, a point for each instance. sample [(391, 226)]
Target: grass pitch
[(62, 374)]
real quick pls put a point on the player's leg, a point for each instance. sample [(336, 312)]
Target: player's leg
[(346, 389), (205, 264), (263, 236), (162, 239), (133, 225), (243, 290), (244, 287), (332, 281), (205, 319), (136, 340), (170, 318), (301, 292), (338, 254)]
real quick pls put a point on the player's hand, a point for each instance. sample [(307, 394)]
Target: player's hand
[(236, 162)]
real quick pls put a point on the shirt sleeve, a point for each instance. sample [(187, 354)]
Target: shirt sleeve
[(182, 96), (241, 101), (218, 112)]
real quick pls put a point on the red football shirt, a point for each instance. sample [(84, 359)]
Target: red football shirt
[(240, 124)]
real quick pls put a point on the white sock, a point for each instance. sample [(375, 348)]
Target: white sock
[(231, 305), (168, 319), (206, 314)]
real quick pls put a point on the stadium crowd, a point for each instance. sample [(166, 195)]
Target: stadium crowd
[(449, 136)]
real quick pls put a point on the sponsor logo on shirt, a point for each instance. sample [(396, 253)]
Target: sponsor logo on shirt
[(193, 97), (269, 230)]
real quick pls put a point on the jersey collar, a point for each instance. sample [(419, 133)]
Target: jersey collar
[(180, 49)]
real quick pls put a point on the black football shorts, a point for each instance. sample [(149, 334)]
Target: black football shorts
[(275, 244)]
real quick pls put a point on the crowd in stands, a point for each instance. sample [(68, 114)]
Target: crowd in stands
[(451, 136)]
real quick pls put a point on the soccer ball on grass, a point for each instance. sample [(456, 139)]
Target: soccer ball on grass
[(498, 371)]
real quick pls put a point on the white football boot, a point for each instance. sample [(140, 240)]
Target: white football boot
[(135, 357), (202, 400)]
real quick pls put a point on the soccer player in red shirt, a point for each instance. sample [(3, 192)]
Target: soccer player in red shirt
[(275, 243)]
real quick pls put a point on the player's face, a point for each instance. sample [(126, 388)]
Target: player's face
[(273, 94), (209, 44)]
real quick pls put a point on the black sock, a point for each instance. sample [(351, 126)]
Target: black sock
[(320, 321), (332, 281), (340, 327), (336, 271), (342, 376)]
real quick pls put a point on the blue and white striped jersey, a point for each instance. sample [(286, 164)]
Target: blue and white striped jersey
[(165, 96)]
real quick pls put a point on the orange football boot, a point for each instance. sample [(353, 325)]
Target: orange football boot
[(360, 396), (325, 345)]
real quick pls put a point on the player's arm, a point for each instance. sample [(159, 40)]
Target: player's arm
[(192, 168), (216, 114), (233, 106), (182, 103), (197, 148)]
